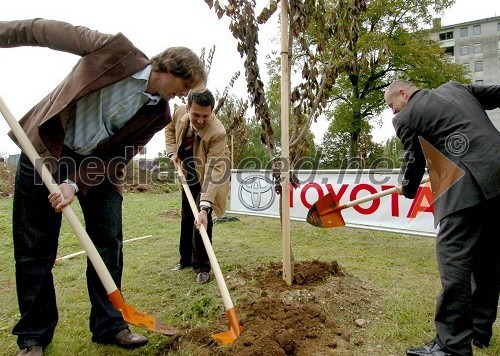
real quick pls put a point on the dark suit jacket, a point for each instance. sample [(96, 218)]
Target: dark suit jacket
[(440, 115), (106, 59)]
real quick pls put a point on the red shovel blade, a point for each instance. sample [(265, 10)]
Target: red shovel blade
[(325, 213)]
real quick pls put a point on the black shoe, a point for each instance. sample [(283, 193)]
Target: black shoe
[(31, 351), (480, 343), (430, 349), (178, 267), (202, 277), (124, 339)]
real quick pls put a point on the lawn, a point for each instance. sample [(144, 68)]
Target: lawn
[(401, 268)]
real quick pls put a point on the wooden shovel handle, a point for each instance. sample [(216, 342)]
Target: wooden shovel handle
[(206, 241), (52, 186), (375, 196)]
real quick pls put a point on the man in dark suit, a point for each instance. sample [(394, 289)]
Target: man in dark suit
[(112, 103), (449, 128)]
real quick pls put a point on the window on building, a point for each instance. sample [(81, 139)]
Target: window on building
[(464, 32), (476, 29), (478, 67), (498, 26), (449, 50), (464, 50), (479, 82), (466, 67), (446, 36), (477, 48)]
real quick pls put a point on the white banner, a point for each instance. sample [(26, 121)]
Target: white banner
[(252, 193)]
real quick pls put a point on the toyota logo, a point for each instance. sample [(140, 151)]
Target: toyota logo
[(256, 193)]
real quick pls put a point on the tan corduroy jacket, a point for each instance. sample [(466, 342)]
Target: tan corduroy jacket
[(211, 153)]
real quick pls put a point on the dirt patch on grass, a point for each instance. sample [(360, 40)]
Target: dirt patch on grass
[(7, 176), (170, 214), (324, 312)]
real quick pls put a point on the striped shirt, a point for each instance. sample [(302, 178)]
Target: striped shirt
[(101, 114)]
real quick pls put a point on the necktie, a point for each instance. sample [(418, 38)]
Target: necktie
[(187, 143)]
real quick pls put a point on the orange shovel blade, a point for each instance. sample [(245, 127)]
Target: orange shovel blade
[(228, 337), (138, 318), (332, 219), (325, 213)]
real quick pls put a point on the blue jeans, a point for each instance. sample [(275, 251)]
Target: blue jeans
[(36, 228)]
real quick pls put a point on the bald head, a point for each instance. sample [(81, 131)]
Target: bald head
[(398, 93)]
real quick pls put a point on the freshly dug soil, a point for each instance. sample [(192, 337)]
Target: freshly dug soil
[(323, 312)]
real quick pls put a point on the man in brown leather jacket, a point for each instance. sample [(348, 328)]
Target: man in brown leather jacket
[(109, 106)]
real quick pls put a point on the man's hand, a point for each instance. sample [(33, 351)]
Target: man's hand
[(202, 219), (68, 195), (175, 160), (399, 189)]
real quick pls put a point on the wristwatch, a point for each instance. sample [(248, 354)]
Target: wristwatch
[(73, 184), (207, 208)]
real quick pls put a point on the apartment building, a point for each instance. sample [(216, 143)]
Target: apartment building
[(475, 45)]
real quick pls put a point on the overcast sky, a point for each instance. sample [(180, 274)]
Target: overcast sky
[(27, 74)]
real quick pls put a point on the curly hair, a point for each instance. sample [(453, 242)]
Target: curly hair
[(183, 63)]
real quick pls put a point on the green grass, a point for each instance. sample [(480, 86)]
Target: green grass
[(402, 267)]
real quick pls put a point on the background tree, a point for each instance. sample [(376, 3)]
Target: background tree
[(393, 150), (306, 148), (344, 54), (319, 69), (390, 44), (319, 32), (232, 114), (335, 151)]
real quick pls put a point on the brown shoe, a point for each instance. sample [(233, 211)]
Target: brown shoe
[(125, 339), (31, 351)]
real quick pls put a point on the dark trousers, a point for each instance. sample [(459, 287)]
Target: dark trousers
[(36, 228), (468, 249), (191, 247)]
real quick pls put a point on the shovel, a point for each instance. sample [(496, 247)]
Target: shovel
[(229, 336), (327, 213), (129, 313)]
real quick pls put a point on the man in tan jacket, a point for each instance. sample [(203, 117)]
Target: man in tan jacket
[(109, 106), (197, 139)]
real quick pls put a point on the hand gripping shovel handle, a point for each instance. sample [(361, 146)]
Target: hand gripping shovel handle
[(229, 336), (130, 314)]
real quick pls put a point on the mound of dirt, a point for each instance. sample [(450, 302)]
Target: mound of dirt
[(141, 180), (7, 176), (170, 214), (323, 312), (138, 181)]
